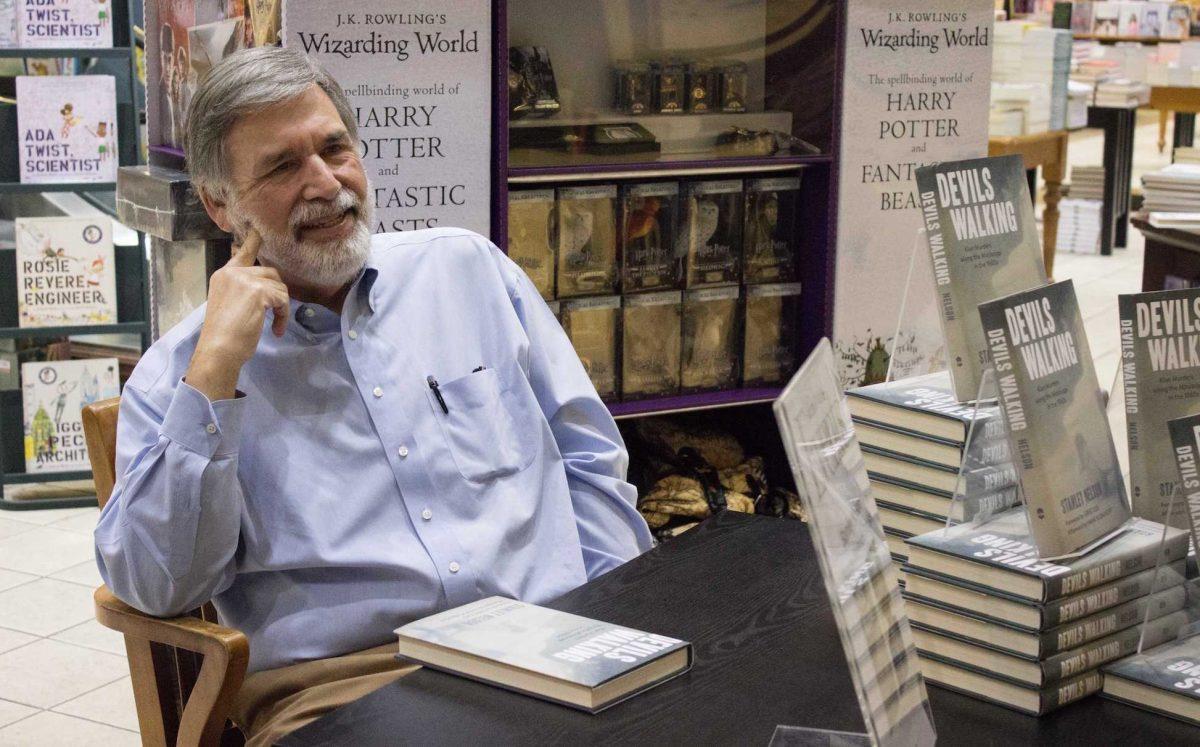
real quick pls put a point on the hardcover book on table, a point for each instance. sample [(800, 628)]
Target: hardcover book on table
[(53, 395), (557, 656), (1160, 364), (1058, 427), (998, 555), (935, 477), (1165, 679), (983, 244), (1028, 700), (923, 405), (67, 128), (66, 272)]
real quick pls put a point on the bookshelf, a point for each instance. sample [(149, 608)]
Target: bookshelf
[(131, 267)]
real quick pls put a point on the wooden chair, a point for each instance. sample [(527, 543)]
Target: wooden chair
[(185, 670)]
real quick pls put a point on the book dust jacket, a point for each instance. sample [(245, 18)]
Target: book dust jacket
[(1058, 428)]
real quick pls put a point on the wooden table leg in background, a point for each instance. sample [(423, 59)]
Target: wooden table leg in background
[(1163, 114), (1054, 171)]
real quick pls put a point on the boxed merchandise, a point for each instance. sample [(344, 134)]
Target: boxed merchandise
[(772, 207), (702, 82), (669, 82), (710, 339), (712, 232), (651, 327), (633, 89), (734, 85), (592, 325), (771, 349), (587, 241), (531, 236), (649, 236)]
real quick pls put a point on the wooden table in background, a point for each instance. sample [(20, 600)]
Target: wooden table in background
[(1048, 150), (1184, 101)]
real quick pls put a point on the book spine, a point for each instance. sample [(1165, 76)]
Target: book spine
[(1071, 691), (965, 381), (1090, 656), (1087, 578), (1107, 623), (1073, 608)]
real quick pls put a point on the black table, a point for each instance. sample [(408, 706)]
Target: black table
[(1172, 258), (1118, 124), (747, 592)]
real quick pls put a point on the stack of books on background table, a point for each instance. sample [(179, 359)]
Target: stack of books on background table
[(1122, 93), (1174, 189), (1079, 223), (912, 433), (1046, 57), (1186, 155), (994, 621), (1078, 96), (1087, 183)]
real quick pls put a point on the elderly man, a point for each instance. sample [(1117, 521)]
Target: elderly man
[(355, 431)]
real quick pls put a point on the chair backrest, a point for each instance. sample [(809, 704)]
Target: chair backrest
[(100, 430)]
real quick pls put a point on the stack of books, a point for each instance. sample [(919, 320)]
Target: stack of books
[(994, 621), (1189, 222), (1031, 99), (1172, 189), (1087, 183), (1163, 680), (913, 433), (1186, 155), (1078, 96), (1079, 223), (1006, 122), (1046, 57), (1122, 93)]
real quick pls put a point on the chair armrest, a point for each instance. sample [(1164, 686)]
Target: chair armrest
[(226, 654)]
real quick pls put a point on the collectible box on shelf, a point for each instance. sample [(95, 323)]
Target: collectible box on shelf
[(593, 326), (712, 232), (770, 349), (651, 344), (769, 238), (587, 241), (531, 236), (649, 237), (711, 342)]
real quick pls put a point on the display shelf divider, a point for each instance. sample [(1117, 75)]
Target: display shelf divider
[(653, 169), (92, 329), (23, 188), (19, 52), (693, 402)]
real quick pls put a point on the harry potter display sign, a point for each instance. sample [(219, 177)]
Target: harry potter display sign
[(419, 81)]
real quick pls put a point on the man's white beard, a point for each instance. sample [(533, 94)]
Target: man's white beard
[(316, 264)]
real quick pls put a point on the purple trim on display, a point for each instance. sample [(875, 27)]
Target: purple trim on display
[(500, 124), (696, 401)]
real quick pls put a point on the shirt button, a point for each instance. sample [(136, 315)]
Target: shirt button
[(309, 311), (454, 567), (427, 515), (377, 391), (352, 335), (211, 428), (402, 451)]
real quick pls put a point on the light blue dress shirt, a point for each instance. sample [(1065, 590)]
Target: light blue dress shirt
[(336, 499)]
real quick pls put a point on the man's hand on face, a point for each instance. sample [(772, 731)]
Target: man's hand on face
[(239, 295)]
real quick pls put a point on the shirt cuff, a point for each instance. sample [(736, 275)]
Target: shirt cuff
[(212, 429)]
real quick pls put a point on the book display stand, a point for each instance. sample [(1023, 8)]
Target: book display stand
[(855, 563), (918, 346), (131, 270), (1165, 577)]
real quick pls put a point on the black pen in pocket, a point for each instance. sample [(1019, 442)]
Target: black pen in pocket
[(437, 392)]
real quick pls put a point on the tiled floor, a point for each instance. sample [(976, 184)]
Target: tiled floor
[(64, 679)]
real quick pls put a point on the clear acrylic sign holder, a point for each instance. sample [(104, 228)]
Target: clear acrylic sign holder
[(918, 346), (855, 563), (987, 483)]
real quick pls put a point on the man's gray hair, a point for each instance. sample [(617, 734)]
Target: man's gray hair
[(241, 84)]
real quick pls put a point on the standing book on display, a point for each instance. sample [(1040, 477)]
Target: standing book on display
[(853, 556), (1058, 427), (1161, 370), (983, 244), (67, 128), (58, 24), (65, 272), (53, 395)]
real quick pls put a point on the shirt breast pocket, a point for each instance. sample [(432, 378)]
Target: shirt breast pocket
[(480, 430)]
